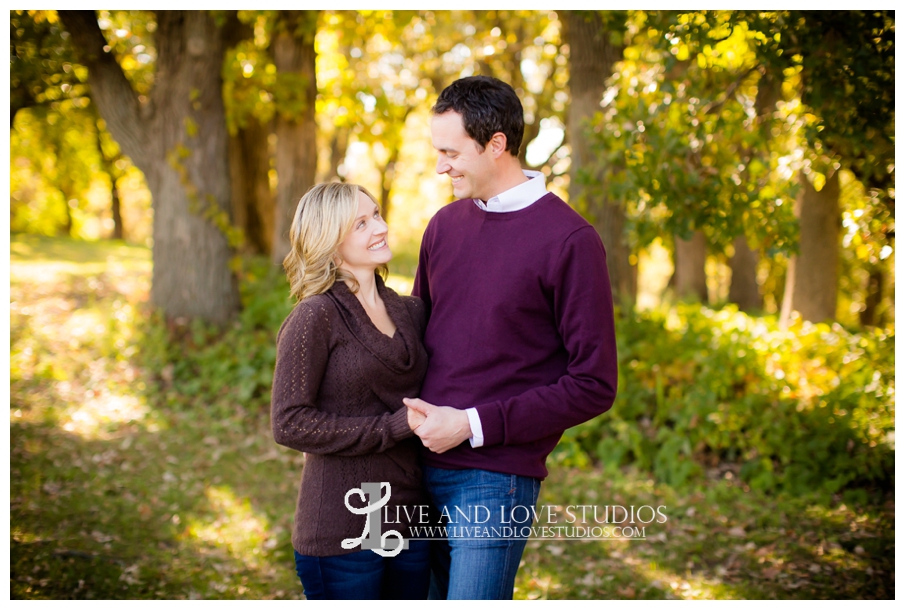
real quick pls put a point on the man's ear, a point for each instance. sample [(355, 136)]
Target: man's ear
[(497, 144)]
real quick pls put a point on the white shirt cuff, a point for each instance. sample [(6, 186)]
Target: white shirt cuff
[(477, 432)]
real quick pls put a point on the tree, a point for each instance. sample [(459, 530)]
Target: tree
[(688, 151), (845, 64), (594, 48), (250, 124), (690, 277), (176, 134), (812, 275), (111, 164), (295, 96)]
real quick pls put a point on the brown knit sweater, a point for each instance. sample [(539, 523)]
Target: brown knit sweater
[(337, 395)]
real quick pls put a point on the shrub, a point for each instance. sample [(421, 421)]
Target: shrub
[(811, 407)]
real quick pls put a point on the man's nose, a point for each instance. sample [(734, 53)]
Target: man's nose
[(442, 166)]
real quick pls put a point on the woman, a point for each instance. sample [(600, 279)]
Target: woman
[(347, 355)]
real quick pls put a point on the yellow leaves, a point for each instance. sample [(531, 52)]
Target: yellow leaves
[(191, 127)]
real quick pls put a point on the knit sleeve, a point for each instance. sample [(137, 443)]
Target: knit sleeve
[(583, 309), (303, 349)]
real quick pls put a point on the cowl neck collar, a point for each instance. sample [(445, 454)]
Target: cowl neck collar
[(397, 353)]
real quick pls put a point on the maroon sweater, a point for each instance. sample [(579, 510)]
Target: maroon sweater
[(520, 326), (337, 395)]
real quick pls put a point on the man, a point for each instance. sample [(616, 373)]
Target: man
[(520, 334)]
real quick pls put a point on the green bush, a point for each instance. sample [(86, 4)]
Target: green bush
[(205, 367), (807, 408)]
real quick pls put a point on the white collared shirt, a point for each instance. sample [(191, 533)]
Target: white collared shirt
[(517, 198)]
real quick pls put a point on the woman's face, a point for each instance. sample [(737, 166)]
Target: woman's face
[(365, 247)]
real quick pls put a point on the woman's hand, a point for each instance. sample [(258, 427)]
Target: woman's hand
[(415, 418)]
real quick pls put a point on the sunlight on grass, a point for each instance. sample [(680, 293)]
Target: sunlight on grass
[(691, 588), (537, 586), (92, 419), (234, 526)]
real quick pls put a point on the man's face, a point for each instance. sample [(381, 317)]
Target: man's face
[(472, 171)]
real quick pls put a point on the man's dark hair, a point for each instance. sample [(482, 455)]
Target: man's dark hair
[(487, 106)]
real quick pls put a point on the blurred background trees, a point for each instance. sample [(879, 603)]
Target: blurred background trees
[(723, 156)]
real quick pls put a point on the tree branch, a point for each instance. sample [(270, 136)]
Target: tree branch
[(110, 89), (717, 104)]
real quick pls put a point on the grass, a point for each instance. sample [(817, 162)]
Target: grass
[(124, 486)]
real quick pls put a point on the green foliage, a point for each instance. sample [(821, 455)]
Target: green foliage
[(690, 138), (203, 366), (42, 68), (847, 65), (812, 407)]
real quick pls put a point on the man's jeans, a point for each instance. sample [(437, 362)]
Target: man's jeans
[(487, 531)]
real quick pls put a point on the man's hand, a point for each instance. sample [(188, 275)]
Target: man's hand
[(444, 427)]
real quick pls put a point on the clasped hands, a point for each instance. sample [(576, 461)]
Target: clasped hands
[(439, 428)]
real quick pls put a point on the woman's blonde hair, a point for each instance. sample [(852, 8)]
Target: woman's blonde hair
[(322, 219)]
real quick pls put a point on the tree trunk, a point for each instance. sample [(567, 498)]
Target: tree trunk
[(119, 231), (690, 276), (108, 165), (296, 130), (743, 289), (812, 277), (690, 267), (592, 60), (339, 144), (253, 200), (178, 138), (66, 229), (873, 297), (387, 176)]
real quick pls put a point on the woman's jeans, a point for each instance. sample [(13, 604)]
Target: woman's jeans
[(367, 575), (479, 564)]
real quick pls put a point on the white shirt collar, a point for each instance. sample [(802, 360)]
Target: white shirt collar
[(518, 197)]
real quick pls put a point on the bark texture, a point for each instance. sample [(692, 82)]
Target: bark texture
[(743, 288), (812, 277), (690, 276), (253, 200), (178, 138), (296, 154), (592, 58)]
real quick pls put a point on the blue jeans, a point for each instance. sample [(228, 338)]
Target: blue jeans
[(488, 513), (367, 575)]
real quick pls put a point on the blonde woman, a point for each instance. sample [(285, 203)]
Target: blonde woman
[(347, 355)]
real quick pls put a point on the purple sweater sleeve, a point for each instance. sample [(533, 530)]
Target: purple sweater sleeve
[(583, 308), (303, 347)]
